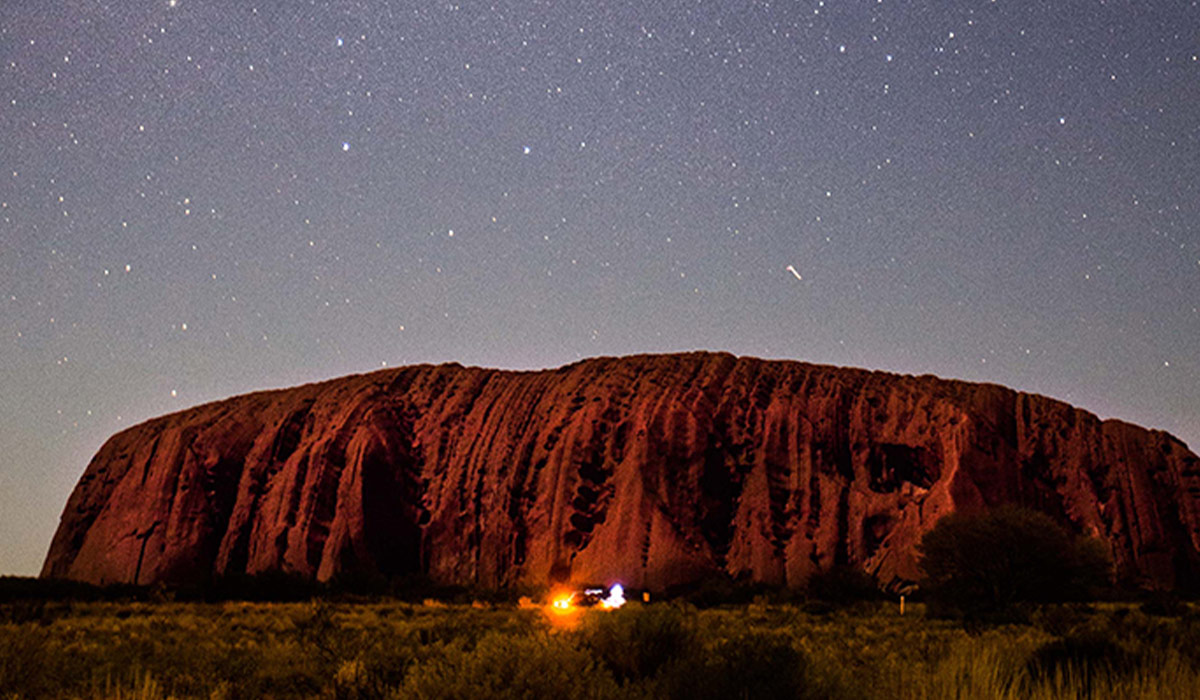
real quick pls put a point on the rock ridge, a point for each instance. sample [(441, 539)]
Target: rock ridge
[(654, 470)]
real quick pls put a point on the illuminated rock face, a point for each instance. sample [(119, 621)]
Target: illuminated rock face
[(652, 470)]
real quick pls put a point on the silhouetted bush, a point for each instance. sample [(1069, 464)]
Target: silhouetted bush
[(988, 565)]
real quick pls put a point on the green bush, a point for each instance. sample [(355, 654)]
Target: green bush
[(992, 563)]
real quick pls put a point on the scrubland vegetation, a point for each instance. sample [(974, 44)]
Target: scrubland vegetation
[(323, 649), (1006, 617)]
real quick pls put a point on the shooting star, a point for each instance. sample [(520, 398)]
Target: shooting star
[(792, 269)]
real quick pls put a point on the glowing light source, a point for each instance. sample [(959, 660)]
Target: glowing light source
[(616, 597)]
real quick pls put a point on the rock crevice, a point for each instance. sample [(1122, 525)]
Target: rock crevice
[(653, 469)]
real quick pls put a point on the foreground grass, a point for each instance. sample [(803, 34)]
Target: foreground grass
[(395, 650)]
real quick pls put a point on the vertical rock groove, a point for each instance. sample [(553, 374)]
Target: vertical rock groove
[(651, 469)]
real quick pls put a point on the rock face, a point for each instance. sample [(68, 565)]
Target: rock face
[(651, 470)]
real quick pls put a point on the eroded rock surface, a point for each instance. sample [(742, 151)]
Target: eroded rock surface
[(653, 470)]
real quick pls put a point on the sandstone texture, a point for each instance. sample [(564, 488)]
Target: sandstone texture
[(652, 470)]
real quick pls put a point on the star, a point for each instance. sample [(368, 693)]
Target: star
[(708, 145)]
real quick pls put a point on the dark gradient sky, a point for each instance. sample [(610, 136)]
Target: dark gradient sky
[(204, 198)]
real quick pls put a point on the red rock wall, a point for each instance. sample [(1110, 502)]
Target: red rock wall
[(651, 470)]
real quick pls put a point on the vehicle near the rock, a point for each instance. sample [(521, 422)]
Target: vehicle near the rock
[(590, 597)]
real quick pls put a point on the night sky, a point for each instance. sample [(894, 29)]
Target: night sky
[(202, 198)]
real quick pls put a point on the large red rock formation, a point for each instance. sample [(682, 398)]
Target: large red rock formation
[(654, 470)]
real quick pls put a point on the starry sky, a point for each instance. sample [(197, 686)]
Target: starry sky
[(200, 198)]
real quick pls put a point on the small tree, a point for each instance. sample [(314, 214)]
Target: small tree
[(987, 563)]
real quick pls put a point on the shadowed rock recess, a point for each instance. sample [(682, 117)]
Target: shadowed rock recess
[(654, 470)]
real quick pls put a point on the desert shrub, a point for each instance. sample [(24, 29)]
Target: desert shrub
[(352, 585), (1164, 604), (250, 650), (14, 588), (509, 666), (720, 589), (268, 586), (635, 642), (991, 563), (469, 625), (31, 588), (388, 658), (750, 665), (1151, 635), (1089, 659), (142, 686), (21, 611), (353, 681), (1020, 663), (990, 665), (1062, 620), (25, 660), (317, 631)]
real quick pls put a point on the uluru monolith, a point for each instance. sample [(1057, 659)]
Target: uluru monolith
[(654, 470)]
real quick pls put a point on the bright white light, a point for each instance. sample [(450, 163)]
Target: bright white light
[(616, 597)]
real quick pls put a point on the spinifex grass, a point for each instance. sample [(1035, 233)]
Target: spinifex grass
[(395, 650)]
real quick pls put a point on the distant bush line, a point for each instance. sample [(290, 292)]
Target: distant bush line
[(835, 588), (267, 587), (994, 565)]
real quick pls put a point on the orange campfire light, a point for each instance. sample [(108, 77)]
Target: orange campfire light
[(567, 602)]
